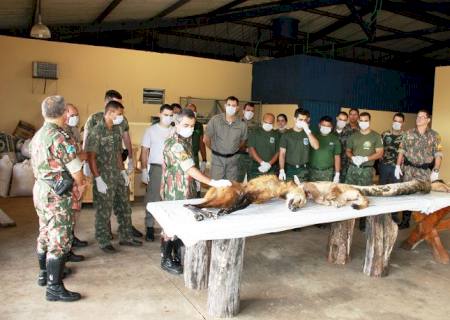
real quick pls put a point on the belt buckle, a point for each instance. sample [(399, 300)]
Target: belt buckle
[(297, 166)]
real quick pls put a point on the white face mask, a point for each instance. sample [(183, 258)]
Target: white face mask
[(118, 120), (396, 125), (166, 120), (299, 124), (341, 124), (230, 110), (73, 121), (185, 132), (325, 130), (248, 115), (267, 126), (195, 114), (364, 125)]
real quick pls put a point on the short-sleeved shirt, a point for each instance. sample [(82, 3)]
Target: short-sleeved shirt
[(329, 146), (196, 136), (266, 143), (297, 147), (52, 153), (364, 145), (107, 145), (176, 183), (154, 139), (391, 143), (346, 132), (421, 148), (98, 117), (226, 137)]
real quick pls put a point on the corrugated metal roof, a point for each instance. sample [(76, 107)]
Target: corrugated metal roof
[(404, 45), (15, 13), (194, 7), (137, 9), (399, 22), (71, 12)]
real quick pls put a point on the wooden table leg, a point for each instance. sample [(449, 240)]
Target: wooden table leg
[(340, 241), (381, 234), (428, 227), (196, 265), (225, 277)]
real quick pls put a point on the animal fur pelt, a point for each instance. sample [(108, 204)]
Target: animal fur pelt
[(266, 187)]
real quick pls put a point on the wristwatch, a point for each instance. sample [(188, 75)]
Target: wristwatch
[(436, 170)]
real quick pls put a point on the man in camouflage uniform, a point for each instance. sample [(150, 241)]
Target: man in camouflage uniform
[(325, 162), (344, 130), (96, 118), (177, 183), (391, 143), (295, 147), (363, 148), (110, 189), (198, 145), (420, 152), (263, 147), (245, 161), (55, 163)]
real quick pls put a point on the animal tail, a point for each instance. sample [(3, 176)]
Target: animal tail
[(395, 189)]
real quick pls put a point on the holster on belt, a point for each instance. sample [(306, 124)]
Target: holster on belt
[(63, 186)]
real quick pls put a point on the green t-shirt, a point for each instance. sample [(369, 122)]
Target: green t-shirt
[(196, 135), (265, 143), (365, 144), (297, 147), (329, 146)]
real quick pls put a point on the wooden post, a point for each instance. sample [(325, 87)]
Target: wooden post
[(225, 277), (381, 233), (196, 265), (340, 241)]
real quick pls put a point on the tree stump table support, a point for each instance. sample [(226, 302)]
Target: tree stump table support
[(196, 265), (340, 241)]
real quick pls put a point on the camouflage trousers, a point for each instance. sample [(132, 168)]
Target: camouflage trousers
[(254, 172), (411, 173), (301, 172), (321, 175), (244, 166), (362, 176), (116, 198), (56, 219)]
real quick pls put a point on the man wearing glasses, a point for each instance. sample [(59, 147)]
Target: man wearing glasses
[(225, 134)]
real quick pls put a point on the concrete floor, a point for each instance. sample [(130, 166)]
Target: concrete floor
[(285, 276)]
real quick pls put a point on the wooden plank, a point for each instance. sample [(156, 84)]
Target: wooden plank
[(381, 233), (225, 277), (340, 241), (196, 265)]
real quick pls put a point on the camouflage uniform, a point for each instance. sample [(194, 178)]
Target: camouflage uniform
[(96, 118), (51, 155), (419, 149), (321, 161), (107, 145), (346, 132), (176, 184), (75, 139), (391, 143)]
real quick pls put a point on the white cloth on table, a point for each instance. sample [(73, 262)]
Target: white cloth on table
[(274, 216)]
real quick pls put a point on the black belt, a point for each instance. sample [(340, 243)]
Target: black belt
[(352, 164), (321, 169), (156, 164), (418, 166), (229, 155)]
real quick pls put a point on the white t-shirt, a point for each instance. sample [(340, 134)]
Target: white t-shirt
[(154, 138)]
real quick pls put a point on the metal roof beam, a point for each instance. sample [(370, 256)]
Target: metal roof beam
[(226, 7), (171, 8), (107, 11), (368, 30), (33, 17)]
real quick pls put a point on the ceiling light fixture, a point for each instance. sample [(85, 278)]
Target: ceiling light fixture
[(39, 30)]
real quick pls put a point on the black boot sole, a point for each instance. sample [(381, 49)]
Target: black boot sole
[(172, 271), (51, 297)]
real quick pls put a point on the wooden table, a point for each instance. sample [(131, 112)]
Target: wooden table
[(428, 228)]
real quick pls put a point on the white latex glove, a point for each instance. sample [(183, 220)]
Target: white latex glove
[(264, 167), (305, 127), (364, 159), (86, 169), (101, 185), (357, 160), (282, 175), (336, 177), (144, 176), (434, 176), (130, 168), (220, 183), (398, 172), (124, 175), (202, 166)]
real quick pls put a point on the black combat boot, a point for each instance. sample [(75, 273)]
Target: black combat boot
[(150, 235), (167, 263), (404, 224), (42, 278), (77, 243), (177, 256), (55, 286), (72, 257)]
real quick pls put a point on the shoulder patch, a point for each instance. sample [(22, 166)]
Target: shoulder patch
[(71, 148)]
